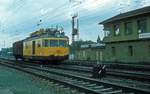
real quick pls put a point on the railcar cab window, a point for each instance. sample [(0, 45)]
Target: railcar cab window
[(54, 43), (116, 29), (128, 28), (142, 25), (62, 43)]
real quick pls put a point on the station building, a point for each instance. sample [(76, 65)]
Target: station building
[(127, 36)]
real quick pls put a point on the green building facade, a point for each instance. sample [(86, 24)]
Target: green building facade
[(90, 52), (127, 36)]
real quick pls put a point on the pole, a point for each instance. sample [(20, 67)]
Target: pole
[(78, 29), (73, 29)]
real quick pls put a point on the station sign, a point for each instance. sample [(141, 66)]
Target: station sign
[(144, 35)]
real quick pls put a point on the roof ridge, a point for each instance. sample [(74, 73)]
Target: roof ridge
[(128, 14)]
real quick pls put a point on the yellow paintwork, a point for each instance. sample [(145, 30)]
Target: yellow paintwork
[(27, 51), (44, 51)]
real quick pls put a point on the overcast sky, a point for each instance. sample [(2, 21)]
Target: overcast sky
[(18, 18)]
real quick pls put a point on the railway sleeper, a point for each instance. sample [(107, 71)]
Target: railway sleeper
[(114, 92), (105, 89), (98, 87), (91, 85), (85, 83)]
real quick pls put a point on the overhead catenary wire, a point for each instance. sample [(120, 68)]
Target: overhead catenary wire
[(34, 17), (56, 9), (60, 15), (56, 16)]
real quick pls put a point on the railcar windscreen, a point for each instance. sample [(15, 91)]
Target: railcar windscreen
[(54, 43), (62, 43)]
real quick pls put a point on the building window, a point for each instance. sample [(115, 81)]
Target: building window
[(107, 32), (84, 54), (142, 26), (149, 50), (128, 28), (116, 29), (130, 49), (113, 51)]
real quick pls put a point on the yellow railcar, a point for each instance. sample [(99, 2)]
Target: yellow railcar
[(46, 45), (46, 49)]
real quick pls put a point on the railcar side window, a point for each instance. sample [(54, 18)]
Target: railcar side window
[(26, 45), (54, 43), (38, 44), (45, 43)]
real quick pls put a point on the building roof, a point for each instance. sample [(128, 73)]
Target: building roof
[(128, 14), (44, 36), (46, 33)]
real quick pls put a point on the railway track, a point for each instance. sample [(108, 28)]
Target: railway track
[(125, 73), (87, 71), (135, 75), (138, 66), (80, 83), (121, 70), (138, 79)]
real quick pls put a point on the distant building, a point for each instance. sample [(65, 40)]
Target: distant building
[(90, 52), (75, 47), (5, 52), (127, 36)]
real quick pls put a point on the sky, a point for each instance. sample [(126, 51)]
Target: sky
[(18, 18)]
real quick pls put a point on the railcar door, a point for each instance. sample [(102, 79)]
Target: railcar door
[(33, 47)]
